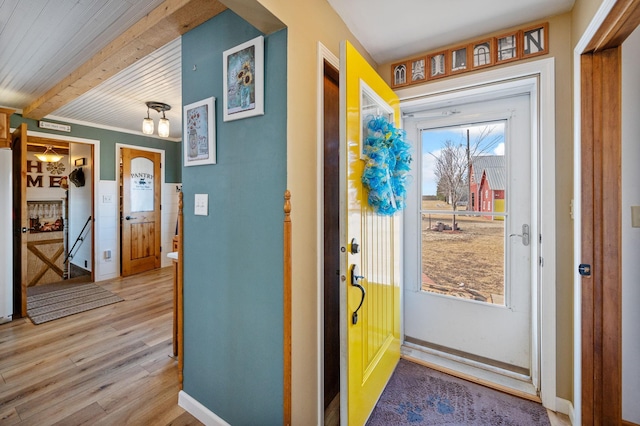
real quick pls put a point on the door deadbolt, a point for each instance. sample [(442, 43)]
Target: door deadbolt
[(354, 247), (584, 270)]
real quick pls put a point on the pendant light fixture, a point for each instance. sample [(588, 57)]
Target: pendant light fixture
[(163, 123), (49, 155)]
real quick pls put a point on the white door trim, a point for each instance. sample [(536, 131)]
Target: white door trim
[(96, 180), (543, 71)]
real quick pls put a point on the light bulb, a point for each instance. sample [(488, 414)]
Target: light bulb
[(163, 127), (147, 126)]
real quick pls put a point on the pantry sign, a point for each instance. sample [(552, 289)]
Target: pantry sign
[(142, 185)]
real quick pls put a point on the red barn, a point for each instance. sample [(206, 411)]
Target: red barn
[(487, 184)]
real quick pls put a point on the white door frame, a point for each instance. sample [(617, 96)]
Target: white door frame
[(96, 179), (544, 324)]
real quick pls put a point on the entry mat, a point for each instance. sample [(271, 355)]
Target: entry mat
[(417, 395)]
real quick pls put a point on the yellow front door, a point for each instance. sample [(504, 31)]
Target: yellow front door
[(370, 263)]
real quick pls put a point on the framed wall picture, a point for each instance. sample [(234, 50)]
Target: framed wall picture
[(534, 40), (507, 48), (400, 74), (459, 59), (438, 65), (199, 133), (418, 69), (482, 54), (243, 77)]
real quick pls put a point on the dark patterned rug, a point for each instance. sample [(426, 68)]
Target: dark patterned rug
[(50, 302), (417, 395)]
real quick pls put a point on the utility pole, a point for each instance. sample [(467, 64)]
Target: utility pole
[(468, 172)]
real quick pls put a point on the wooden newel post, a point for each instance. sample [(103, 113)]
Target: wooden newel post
[(287, 308)]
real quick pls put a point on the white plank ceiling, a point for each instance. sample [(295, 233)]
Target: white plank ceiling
[(43, 41), (156, 77)]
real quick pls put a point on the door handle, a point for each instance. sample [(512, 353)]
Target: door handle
[(129, 217), (355, 278), (524, 235)]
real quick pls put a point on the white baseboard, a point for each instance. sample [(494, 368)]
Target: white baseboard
[(199, 411), (565, 407)]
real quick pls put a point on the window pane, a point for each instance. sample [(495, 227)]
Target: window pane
[(142, 185), (463, 187), (466, 263)]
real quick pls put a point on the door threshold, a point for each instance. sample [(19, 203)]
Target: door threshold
[(472, 371), (499, 366)]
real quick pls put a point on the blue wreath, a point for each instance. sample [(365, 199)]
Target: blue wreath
[(386, 166)]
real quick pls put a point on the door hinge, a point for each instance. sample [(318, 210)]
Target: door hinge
[(160, 249), (541, 261)]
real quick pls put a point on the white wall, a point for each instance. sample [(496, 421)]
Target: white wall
[(80, 207), (6, 248), (109, 230), (46, 192), (630, 236), (169, 219)]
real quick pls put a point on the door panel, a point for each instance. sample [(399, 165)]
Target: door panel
[(20, 220), (370, 348), (601, 158), (140, 217), (331, 235), (488, 251)]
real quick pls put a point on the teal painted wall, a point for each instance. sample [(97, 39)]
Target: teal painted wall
[(233, 298), (108, 140)]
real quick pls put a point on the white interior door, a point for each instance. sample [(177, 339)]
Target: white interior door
[(469, 287)]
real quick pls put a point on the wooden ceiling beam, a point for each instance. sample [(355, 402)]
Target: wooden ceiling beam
[(164, 24)]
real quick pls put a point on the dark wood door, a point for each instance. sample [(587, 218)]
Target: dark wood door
[(140, 217), (20, 219), (331, 235), (601, 246), (601, 217)]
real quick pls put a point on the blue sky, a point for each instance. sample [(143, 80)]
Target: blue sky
[(433, 140)]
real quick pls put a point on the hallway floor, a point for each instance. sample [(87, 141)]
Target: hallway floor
[(111, 365)]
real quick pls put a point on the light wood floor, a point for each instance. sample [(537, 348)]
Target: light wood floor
[(112, 365)]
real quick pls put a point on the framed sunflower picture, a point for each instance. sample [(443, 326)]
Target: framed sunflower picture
[(243, 76)]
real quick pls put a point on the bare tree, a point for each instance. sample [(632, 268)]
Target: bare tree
[(451, 171), (453, 162)]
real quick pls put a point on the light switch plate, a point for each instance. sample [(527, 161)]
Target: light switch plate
[(635, 216), (202, 205)]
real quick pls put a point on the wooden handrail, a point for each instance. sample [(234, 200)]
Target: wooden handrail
[(287, 308)]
